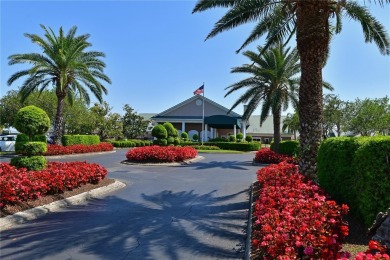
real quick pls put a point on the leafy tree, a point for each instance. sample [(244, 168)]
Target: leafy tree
[(134, 125), (106, 124), (313, 23), (291, 122), (333, 114), (367, 117), (271, 82), (64, 64), (32, 120)]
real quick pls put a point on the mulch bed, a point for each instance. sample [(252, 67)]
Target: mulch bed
[(12, 209)]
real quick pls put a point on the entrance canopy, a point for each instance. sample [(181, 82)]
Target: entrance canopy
[(222, 121)]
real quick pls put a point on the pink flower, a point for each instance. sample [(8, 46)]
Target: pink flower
[(308, 250)]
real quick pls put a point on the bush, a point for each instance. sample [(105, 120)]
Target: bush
[(246, 147), (239, 137), (33, 163), (39, 138), (294, 219), (80, 139), (288, 147), (34, 148), (22, 138), (195, 137), (356, 171), (161, 154), (31, 121), (184, 135), (160, 142), (19, 185), (218, 139), (266, 155), (171, 130), (176, 141), (159, 132), (170, 140), (232, 138), (206, 147), (248, 138)]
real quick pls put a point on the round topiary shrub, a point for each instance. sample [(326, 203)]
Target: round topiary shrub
[(161, 142), (32, 120), (239, 137), (232, 138), (170, 140), (159, 132), (21, 139), (34, 148), (39, 138), (34, 163), (249, 138), (171, 130), (176, 141), (184, 135), (195, 137)]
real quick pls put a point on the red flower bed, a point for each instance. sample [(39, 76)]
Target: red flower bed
[(294, 219), (53, 149), (375, 251), (161, 154), (18, 185), (266, 155)]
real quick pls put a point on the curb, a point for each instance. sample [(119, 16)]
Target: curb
[(34, 213), (248, 241), (186, 162)]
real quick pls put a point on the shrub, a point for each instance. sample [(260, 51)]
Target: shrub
[(39, 138), (161, 154), (176, 141), (19, 185), (232, 138), (34, 163), (160, 142), (239, 137), (34, 148), (294, 220), (170, 140), (288, 147), (21, 139), (171, 130), (206, 147), (195, 137), (80, 139), (219, 139), (248, 138), (266, 155), (184, 135), (31, 121), (246, 147), (159, 132)]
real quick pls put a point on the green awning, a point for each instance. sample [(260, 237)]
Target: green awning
[(222, 121)]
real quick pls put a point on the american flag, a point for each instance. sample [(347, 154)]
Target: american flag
[(200, 90)]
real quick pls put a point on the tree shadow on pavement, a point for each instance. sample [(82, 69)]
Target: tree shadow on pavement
[(164, 225)]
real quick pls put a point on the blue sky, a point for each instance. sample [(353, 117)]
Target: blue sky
[(156, 55)]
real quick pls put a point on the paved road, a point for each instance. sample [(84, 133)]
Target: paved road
[(196, 211)]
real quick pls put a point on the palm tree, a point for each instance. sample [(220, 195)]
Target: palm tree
[(313, 23), (66, 66), (271, 83), (291, 122)]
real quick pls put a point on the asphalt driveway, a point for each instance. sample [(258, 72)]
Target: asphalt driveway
[(196, 211)]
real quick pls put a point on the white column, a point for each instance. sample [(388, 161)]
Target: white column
[(205, 133), (235, 130), (183, 127), (211, 132), (243, 129)]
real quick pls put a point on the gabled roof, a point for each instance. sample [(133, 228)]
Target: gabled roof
[(193, 99)]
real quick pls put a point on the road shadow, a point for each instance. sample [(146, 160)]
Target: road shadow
[(164, 225)]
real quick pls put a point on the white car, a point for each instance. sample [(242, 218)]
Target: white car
[(7, 143)]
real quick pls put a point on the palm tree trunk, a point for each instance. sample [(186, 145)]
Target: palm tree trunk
[(59, 120), (277, 116), (312, 44)]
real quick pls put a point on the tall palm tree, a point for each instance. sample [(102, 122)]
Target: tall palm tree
[(291, 122), (272, 82), (64, 65), (313, 23)]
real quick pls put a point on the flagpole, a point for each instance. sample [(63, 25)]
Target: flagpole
[(203, 136)]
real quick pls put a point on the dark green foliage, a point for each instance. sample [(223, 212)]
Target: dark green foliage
[(249, 138), (288, 147), (34, 163), (195, 137), (22, 138), (356, 171), (39, 138), (171, 130), (31, 121), (184, 135), (176, 141), (170, 140), (160, 142), (206, 147), (80, 139), (34, 148), (219, 139), (159, 132), (232, 138), (239, 137), (254, 146), (131, 143)]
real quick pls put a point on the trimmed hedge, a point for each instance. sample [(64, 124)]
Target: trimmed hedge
[(246, 147), (131, 143), (356, 171), (206, 147), (34, 148), (34, 163), (80, 139), (288, 147)]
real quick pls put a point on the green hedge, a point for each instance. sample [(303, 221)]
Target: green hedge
[(246, 147), (34, 148), (131, 143), (206, 147), (34, 163), (288, 147), (356, 171), (80, 139)]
